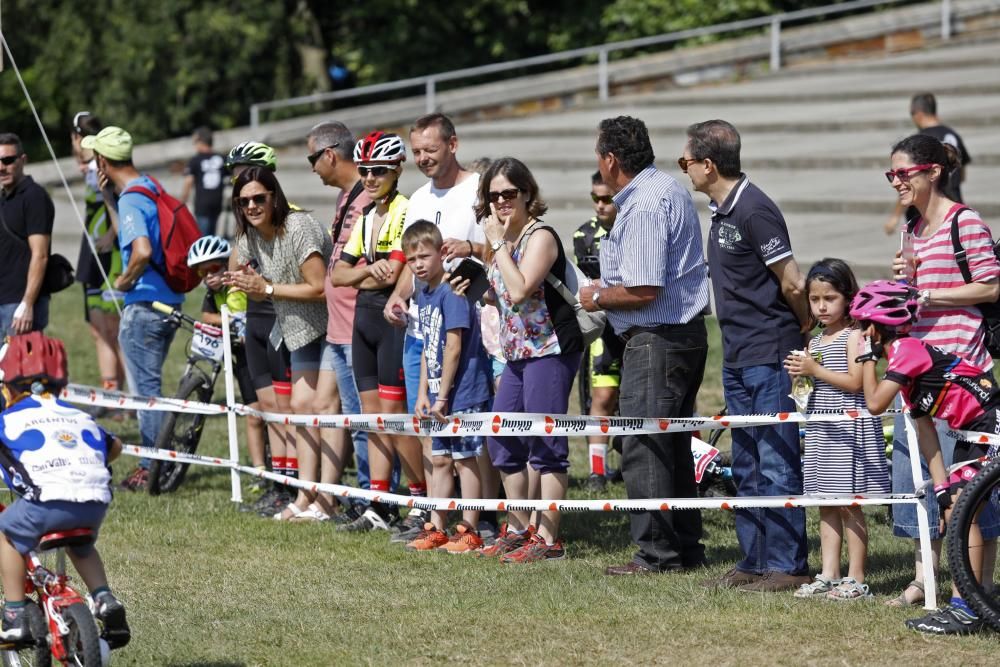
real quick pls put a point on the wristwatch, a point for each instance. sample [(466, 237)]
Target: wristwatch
[(496, 245), (595, 297), (269, 289), (925, 297)]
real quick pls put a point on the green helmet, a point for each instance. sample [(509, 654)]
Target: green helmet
[(254, 154)]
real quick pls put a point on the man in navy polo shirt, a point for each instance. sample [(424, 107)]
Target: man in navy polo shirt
[(762, 310)]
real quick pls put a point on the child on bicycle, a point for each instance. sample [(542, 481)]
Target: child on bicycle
[(841, 458), (55, 457), (933, 384), (455, 378)]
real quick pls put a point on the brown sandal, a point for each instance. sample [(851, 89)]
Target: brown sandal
[(901, 601)]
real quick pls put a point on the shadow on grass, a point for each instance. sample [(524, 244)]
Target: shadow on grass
[(206, 664)]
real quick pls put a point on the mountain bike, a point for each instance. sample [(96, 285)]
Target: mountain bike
[(62, 621), (181, 431), (982, 491)]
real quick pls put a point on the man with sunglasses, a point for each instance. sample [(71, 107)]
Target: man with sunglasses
[(763, 314), (26, 217), (144, 335), (605, 354)]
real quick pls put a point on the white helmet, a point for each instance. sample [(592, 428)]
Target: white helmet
[(379, 147), (208, 248)]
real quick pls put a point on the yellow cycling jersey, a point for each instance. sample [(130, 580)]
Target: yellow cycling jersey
[(388, 245)]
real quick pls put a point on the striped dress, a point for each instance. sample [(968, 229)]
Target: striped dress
[(842, 457)]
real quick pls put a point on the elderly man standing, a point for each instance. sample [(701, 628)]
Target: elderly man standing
[(760, 296), (655, 290), (26, 216)]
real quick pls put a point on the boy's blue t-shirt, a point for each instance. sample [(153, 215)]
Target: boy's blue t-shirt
[(440, 311), (137, 216)]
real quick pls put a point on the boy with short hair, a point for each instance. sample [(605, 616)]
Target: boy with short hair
[(454, 379)]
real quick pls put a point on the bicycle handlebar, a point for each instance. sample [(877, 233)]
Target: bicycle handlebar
[(174, 313)]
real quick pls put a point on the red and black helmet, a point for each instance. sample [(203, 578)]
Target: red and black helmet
[(379, 147), (33, 357)]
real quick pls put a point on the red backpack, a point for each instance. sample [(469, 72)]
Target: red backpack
[(178, 230)]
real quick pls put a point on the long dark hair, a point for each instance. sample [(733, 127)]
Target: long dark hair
[(925, 149), (520, 176), (838, 275), (266, 178)]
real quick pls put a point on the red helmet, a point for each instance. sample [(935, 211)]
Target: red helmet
[(886, 302), (34, 357), (379, 147)]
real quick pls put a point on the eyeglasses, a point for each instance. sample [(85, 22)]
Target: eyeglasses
[(9, 159), (80, 115), (508, 194), (601, 199), (683, 163), (314, 157), (377, 172), (904, 174), (258, 200), (204, 270)]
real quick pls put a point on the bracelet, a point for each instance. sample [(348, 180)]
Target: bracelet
[(472, 248)]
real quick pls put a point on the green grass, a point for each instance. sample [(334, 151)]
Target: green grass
[(205, 585)]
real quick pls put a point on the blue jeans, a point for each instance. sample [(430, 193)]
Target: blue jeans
[(145, 337), (413, 349), (40, 318), (338, 357), (766, 462)]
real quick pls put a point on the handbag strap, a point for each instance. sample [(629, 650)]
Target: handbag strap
[(551, 278), (961, 257)]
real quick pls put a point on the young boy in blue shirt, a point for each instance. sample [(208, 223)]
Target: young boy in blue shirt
[(455, 378)]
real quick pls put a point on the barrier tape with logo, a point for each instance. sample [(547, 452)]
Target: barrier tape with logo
[(500, 505)]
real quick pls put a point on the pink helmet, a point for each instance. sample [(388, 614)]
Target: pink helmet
[(886, 302)]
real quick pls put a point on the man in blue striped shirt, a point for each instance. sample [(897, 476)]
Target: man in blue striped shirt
[(654, 286)]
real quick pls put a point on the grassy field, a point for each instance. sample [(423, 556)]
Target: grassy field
[(206, 585)]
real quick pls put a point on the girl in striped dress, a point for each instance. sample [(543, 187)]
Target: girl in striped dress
[(844, 457)]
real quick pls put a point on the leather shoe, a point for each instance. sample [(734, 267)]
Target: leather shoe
[(732, 579), (775, 582), (629, 568)]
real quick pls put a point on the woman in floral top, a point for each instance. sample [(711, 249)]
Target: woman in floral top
[(541, 342)]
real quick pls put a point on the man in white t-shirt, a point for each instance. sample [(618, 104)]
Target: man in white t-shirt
[(448, 200)]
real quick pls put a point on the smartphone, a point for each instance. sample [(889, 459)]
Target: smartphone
[(907, 253), (473, 271)]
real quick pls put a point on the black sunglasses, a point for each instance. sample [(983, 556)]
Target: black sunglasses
[(601, 199), (9, 159), (377, 172), (314, 157), (259, 200), (508, 194)]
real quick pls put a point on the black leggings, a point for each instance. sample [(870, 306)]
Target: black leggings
[(377, 353)]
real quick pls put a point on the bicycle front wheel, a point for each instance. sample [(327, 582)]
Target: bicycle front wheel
[(180, 432), (82, 642), (982, 492), (36, 654)]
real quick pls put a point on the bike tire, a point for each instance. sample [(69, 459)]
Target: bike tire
[(181, 432), (37, 654), (984, 488), (82, 642)]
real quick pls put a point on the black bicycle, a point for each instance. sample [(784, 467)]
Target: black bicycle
[(181, 431), (982, 492)]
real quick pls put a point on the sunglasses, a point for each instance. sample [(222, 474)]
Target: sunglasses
[(377, 172), (9, 159), (683, 163), (203, 271), (906, 173), (258, 200), (508, 194), (601, 199), (314, 157)]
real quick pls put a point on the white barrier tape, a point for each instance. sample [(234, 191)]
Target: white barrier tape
[(76, 393), (974, 437), (498, 505)]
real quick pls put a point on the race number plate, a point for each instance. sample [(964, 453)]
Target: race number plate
[(207, 342)]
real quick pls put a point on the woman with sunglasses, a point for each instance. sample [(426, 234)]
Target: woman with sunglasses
[(948, 319), (292, 250), (376, 345), (542, 344)]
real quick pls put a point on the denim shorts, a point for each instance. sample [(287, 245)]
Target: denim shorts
[(308, 357), (26, 521), (465, 447)]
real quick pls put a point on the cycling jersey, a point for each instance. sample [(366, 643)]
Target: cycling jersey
[(52, 451), (940, 384), (587, 247), (388, 244)]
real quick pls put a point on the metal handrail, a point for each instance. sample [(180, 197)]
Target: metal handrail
[(430, 81)]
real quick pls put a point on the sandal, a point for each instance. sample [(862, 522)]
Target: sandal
[(901, 601), (849, 590), (293, 511), (312, 514), (819, 587)]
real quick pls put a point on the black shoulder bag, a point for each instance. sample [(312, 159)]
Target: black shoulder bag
[(58, 270), (989, 309)]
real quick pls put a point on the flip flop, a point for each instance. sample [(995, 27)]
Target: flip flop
[(901, 601)]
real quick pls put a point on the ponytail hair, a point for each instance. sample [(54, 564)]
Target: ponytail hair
[(925, 149)]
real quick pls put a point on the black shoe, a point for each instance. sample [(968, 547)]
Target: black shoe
[(348, 515), (111, 613), (369, 520), (278, 502), (415, 519), (596, 483), (264, 501), (948, 620), (15, 628)]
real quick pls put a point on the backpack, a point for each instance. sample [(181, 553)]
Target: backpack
[(178, 230), (989, 309)]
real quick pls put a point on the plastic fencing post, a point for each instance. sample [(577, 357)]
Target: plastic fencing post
[(923, 522), (234, 448)]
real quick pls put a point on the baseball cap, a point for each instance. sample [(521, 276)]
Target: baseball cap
[(112, 142)]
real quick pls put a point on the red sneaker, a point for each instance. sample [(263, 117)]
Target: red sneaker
[(506, 542), (535, 550), (430, 538), (463, 540)]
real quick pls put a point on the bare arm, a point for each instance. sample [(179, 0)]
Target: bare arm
[(793, 288), (964, 295), (142, 253), (878, 395), (806, 365), (618, 297), (188, 187), (364, 277), (521, 280), (313, 272)]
